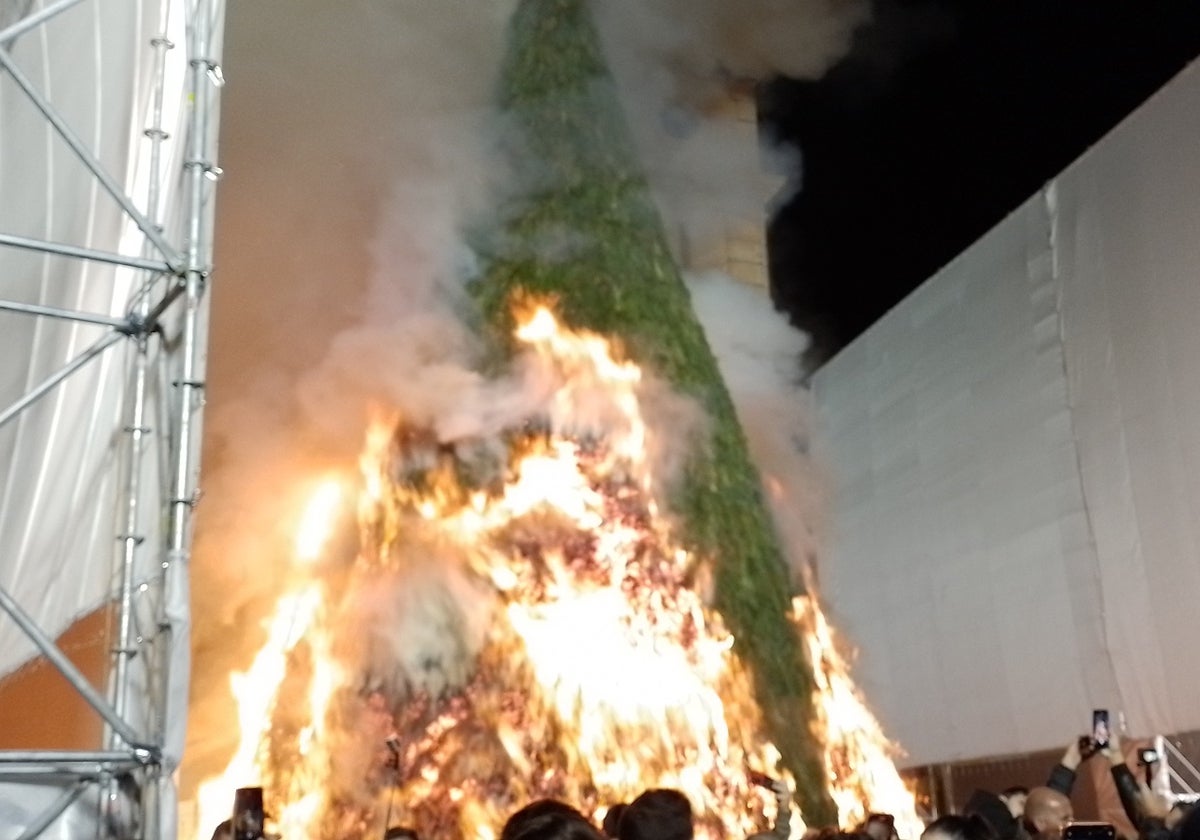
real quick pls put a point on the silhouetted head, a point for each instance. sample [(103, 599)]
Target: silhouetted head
[(612, 820), (879, 827), (995, 812), (659, 814), (1047, 812), (399, 832), (959, 827), (818, 833), (1178, 813), (1189, 826), (549, 819)]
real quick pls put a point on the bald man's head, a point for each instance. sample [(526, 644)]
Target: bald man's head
[(1047, 811)]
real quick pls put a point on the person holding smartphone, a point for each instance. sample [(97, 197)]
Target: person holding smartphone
[(1107, 743), (782, 828), (1062, 776), (1137, 806)]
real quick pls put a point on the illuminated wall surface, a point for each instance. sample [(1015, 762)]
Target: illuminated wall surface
[(1017, 457)]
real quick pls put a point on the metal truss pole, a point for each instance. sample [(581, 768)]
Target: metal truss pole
[(205, 75), (145, 678), (132, 538), (88, 159)]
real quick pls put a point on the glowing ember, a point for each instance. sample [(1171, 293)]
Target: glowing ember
[(519, 623), (858, 756)]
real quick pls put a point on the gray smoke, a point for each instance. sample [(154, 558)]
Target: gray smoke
[(686, 71), (354, 138), (358, 140), (759, 352)]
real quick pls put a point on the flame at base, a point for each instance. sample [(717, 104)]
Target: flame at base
[(520, 622), (858, 756)]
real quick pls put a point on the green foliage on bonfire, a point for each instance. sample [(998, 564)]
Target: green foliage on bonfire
[(588, 235)]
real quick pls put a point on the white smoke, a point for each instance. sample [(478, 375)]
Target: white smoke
[(686, 70), (418, 630), (758, 353), (357, 137)]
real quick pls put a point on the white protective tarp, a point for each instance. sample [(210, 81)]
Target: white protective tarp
[(57, 499), (63, 486), (1016, 459)]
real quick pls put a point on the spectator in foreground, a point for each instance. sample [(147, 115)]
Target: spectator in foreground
[(957, 827), (1189, 826), (1005, 813), (659, 814), (1175, 813), (1159, 820), (1062, 775), (783, 814), (612, 820), (1014, 799), (880, 827), (822, 833), (1047, 811), (994, 811), (399, 832), (549, 819)]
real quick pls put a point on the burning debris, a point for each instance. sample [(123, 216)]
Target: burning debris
[(514, 628), (526, 626), (523, 612), (858, 756)]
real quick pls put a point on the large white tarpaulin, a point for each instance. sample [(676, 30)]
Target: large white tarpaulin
[(1016, 460), (58, 500)]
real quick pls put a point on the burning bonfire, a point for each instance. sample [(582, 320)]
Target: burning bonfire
[(520, 621)]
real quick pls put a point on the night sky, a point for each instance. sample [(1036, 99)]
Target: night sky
[(944, 118)]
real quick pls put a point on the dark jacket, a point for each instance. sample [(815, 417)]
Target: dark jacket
[(994, 812), (1062, 779)]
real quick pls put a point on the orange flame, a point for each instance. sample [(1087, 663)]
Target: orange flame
[(602, 673), (255, 689), (316, 526), (255, 693), (858, 756)]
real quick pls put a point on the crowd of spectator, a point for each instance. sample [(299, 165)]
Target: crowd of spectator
[(1046, 812), (1016, 813), (659, 814)]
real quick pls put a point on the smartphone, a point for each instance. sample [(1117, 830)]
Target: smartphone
[(1100, 728), (1089, 831)]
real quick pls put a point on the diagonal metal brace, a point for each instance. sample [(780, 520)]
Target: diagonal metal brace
[(172, 257), (49, 383), (35, 20), (57, 808), (66, 667)]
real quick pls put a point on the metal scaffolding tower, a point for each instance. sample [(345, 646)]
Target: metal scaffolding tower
[(108, 118)]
